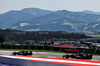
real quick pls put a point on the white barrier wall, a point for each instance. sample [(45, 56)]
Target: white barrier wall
[(1, 64), (22, 62), (12, 61), (44, 61)]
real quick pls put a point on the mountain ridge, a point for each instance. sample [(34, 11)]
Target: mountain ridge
[(35, 19), (91, 12)]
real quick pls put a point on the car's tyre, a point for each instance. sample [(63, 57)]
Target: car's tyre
[(30, 53), (89, 56), (66, 56), (18, 53), (14, 53)]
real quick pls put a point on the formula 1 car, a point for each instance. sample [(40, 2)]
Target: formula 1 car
[(22, 53), (78, 56)]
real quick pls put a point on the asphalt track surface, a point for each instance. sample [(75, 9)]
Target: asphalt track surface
[(45, 54), (45, 61)]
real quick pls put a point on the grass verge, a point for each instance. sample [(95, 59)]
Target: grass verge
[(32, 50)]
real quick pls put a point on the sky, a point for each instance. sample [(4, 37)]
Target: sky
[(53, 5)]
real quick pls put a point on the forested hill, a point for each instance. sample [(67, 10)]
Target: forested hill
[(21, 36), (35, 19)]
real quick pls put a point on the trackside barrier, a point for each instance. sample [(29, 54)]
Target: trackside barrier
[(17, 61), (71, 51), (2, 64), (48, 48), (12, 61)]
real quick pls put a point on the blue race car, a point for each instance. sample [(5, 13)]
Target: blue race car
[(78, 56), (22, 53)]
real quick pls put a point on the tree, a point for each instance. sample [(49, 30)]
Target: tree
[(1, 39), (55, 39)]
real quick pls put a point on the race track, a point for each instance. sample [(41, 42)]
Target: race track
[(45, 54)]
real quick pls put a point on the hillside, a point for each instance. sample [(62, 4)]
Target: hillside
[(35, 19), (21, 36)]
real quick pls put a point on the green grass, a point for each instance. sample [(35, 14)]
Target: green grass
[(96, 54), (33, 50)]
